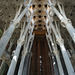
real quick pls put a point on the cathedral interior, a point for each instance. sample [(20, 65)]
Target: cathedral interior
[(37, 37)]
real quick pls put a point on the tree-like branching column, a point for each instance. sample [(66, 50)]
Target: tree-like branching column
[(19, 45), (8, 33), (65, 22)]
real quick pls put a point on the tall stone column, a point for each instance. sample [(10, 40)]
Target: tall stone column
[(55, 52)]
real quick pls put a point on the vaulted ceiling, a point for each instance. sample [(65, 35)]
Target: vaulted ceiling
[(8, 9)]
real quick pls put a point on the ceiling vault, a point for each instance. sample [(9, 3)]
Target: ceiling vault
[(29, 24)]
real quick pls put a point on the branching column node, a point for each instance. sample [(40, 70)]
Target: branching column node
[(21, 40), (56, 52), (59, 40)]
